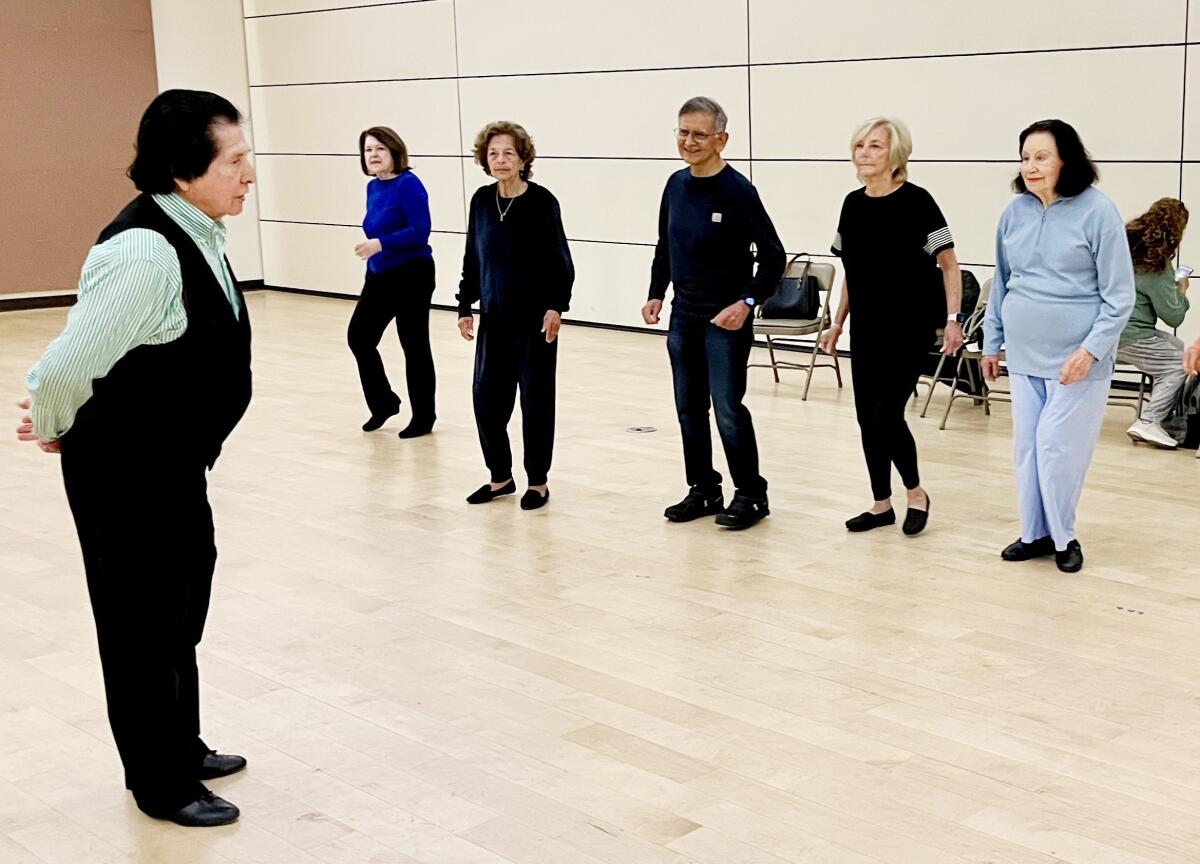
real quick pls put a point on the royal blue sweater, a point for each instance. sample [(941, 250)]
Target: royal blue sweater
[(398, 216)]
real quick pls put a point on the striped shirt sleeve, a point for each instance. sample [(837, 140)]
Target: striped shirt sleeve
[(130, 294), (933, 225), (937, 241)]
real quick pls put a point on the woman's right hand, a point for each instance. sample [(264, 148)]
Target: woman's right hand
[(829, 339), (466, 326), (990, 365)]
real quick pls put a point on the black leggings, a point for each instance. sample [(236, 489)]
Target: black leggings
[(402, 294), (884, 376)]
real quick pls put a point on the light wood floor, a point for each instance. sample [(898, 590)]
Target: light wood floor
[(416, 680)]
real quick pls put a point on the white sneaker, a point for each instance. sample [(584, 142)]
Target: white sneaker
[(1151, 433)]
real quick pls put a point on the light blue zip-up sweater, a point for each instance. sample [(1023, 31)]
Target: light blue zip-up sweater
[(1064, 279)]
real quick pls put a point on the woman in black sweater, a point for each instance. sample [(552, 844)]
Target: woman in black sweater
[(518, 267)]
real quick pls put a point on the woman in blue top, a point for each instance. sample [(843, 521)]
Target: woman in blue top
[(1062, 293), (399, 283)]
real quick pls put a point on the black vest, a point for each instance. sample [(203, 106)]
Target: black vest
[(174, 403)]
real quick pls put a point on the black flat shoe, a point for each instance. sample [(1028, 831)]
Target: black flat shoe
[(377, 420), (486, 493), (416, 430), (914, 520), (220, 765), (207, 811), (1019, 550), (533, 499), (868, 521), (1070, 560)]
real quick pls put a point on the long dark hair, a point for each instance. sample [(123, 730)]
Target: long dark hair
[(175, 138), (1078, 171)]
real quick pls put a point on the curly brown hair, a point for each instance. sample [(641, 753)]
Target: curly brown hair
[(1154, 236), (522, 139)]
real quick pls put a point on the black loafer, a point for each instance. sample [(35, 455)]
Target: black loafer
[(416, 429), (533, 499), (1070, 560), (914, 520), (220, 765), (486, 493), (377, 420), (696, 505), (207, 811), (868, 521), (1019, 550)]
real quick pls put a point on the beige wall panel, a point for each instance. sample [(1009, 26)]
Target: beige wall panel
[(333, 189), (610, 283), (783, 30), (1189, 251), (618, 34), (412, 40), (811, 110), (611, 114), (328, 119), (313, 257), (280, 7), (1191, 109)]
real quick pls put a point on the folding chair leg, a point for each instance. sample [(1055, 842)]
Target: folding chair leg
[(771, 352), (812, 364), (837, 368), (953, 392), (937, 374)]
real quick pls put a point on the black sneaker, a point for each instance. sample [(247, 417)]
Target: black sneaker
[(744, 512), (696, 505)]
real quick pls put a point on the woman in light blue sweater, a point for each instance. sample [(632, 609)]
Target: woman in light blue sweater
[(1062, 293)]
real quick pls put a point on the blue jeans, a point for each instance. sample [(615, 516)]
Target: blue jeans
[(708, 363)]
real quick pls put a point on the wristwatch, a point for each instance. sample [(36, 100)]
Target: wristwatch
[(749, 301), (957, 318)]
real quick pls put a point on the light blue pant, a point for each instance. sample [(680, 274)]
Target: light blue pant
[(1055, 427)]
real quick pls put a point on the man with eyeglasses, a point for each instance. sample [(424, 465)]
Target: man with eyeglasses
[(709, 218)]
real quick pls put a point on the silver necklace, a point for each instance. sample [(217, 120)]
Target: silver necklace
[(503, 212)]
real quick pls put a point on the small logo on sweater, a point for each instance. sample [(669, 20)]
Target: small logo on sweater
[(716, 217)]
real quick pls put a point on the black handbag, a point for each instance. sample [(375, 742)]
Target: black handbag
[(796, 297)]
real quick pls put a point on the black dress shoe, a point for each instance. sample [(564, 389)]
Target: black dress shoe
[(696, 505), (868, 520), (417, 428), (207, 811), (486, 493), (914, 520), (220, 765), (532, 499), (743, 512), (377, 420), (1019, 550), (1070, 560)]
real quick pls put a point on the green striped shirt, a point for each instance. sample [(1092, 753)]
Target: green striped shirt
[(130, 294)]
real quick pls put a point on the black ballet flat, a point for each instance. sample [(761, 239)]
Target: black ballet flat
[(377, 420), (416, 429), (914, 520), (486, 493), (532, 500), (868, 521)]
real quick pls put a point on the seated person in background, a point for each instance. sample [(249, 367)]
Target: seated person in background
[(1153, 239)]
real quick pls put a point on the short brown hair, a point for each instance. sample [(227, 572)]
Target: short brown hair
[(389, 139), (1154, 236), (522, 139)]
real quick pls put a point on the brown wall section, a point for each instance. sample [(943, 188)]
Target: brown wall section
[(75, 76)]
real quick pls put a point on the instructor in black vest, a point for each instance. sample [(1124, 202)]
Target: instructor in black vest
[(709, 218), (138, 393)]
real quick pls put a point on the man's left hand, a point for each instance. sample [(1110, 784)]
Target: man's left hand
[(550, 324), (733, 316)]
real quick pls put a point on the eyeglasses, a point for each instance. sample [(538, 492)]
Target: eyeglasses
[(698, 137)]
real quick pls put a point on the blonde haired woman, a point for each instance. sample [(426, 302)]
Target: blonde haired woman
[(901, 283)]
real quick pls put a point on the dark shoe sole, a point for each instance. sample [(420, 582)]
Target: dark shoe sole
[(485, 493), (680, 519), (1045, 553), (736, 525)]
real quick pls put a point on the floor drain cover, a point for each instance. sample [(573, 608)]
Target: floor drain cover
[(641, 429)]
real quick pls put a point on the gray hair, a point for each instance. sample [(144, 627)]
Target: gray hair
[(704, 105)]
